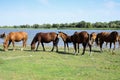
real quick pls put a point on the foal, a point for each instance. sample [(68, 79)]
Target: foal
[(66, 39)]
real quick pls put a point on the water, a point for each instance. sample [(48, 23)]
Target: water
[(32, 32)]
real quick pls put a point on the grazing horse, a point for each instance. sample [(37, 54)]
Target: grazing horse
[(45, 38), (2, 35), (93, 36), (66, 39), (80, 37), (15, 37), (107, 37)]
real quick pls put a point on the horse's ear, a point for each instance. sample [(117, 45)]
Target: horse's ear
[(4, 33)]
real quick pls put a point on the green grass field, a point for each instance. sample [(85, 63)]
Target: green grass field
[(40, 65)]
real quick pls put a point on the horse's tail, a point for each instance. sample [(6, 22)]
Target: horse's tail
[(57, 39), (115, 35), (97, 39)]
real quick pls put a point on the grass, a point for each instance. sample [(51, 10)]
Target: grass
[(40, 65)]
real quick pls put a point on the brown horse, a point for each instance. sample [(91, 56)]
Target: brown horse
[(45, 38), (66, 39), (93, 36), (81, 37), (15, 37), (2, 35), (107, 37)]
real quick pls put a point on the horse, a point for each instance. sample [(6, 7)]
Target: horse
[(107, 37), (93, 36), (15, 37), (81, 37), (42, 37), (2, 35), (66, 39)]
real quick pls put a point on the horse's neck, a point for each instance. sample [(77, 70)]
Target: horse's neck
[(6, 39), (64, 37)]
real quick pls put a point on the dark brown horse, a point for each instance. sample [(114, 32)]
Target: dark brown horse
[(45, 38), (15, 37), (2, 35), (80, 37), (66, 39), (107, 37)]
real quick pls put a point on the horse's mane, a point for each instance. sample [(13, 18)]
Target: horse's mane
[(34, 39), (63, 33)]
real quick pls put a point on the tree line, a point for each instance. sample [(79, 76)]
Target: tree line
[(81, 24)]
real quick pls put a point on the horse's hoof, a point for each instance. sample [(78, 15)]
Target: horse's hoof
[(21, 49)]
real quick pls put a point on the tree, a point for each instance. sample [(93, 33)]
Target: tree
[(35, 26)]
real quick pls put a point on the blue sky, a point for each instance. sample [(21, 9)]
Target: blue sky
[(19, 12)]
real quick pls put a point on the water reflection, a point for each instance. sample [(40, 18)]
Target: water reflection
[(32, 32)]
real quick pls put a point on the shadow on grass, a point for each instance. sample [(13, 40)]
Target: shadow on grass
[(66, 53), (1, 50), (97, 51)]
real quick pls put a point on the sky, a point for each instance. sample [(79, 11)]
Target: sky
[(21, 12)]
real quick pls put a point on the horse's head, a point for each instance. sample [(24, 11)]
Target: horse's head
[(5, 46), (2, 35), (93, 37), (97, 39), (61, 34), (32, 46)]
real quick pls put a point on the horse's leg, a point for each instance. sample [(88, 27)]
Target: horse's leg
[(13, 45), (9, 43), (110, 45), (24, 45), (64, 47), (90, 46), (84, 47), (56, 44), (68, 47), (37, 45), (78, 47), (53, 46), (101, 43), (43, 46), (114, 45), (74, 44)]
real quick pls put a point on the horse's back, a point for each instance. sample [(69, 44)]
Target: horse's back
[(108, 37), (18, 35), (45, 37), (80, 37)]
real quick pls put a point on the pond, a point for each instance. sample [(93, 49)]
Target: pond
[(32, 32)]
